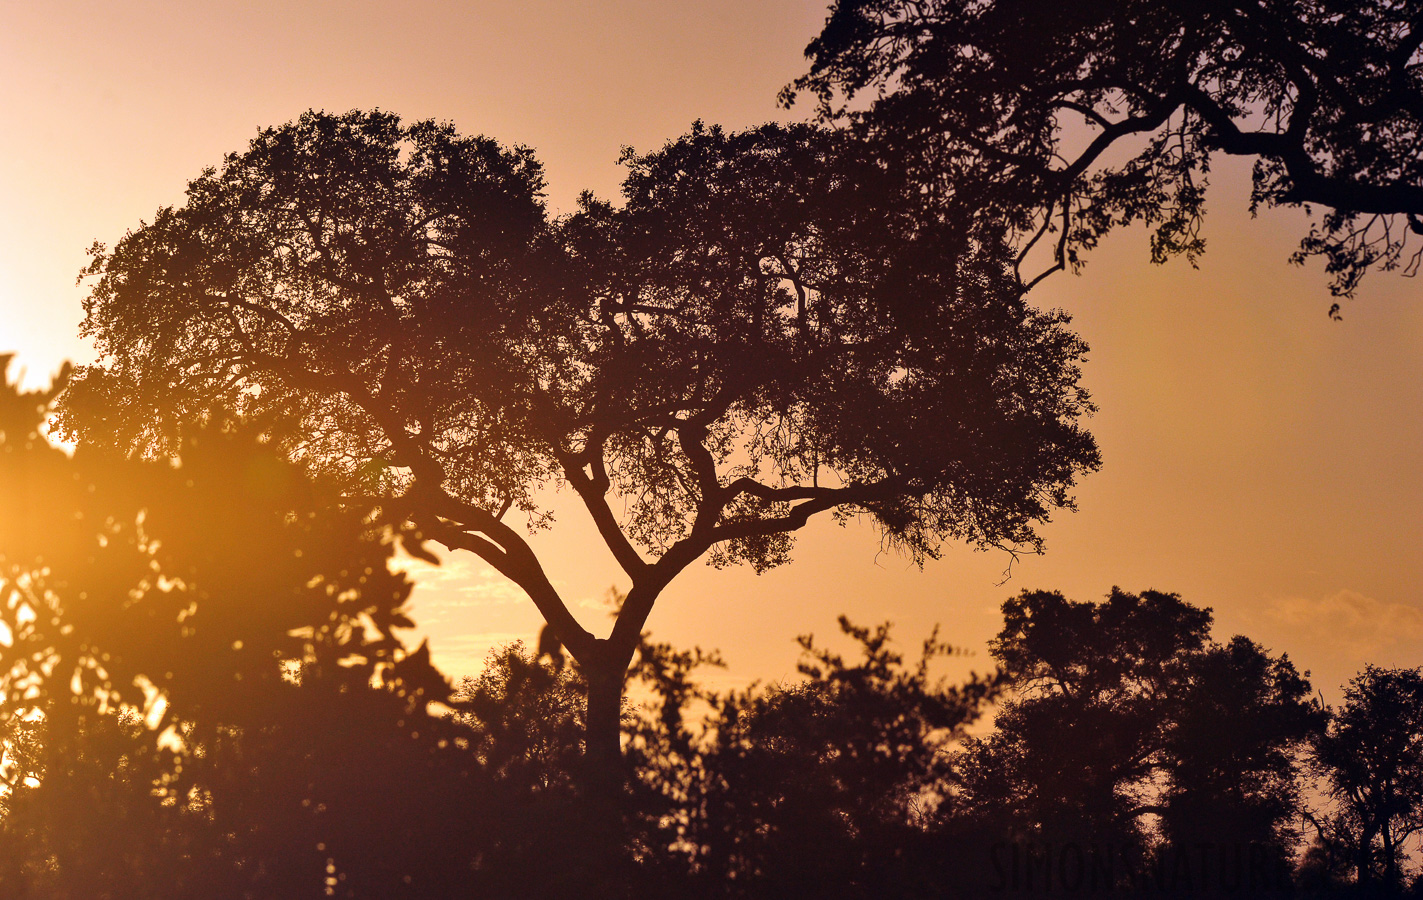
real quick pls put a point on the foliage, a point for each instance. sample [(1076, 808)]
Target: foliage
[(1127, 726), (201, 669), (820, 787), (80, 815), (1076, 118), (763, 331), (525, 726), (1372, 758), (1235, 741), (162, 586), (513, 692), (1124, 722)]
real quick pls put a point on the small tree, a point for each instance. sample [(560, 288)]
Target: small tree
[(1236, 744), (825, 788), (768, 329), (1372, 759), (1073, 118)]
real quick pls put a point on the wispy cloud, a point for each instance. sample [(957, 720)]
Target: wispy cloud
[(1349, 621), (1336, 635), (462, 581), (459, 655), (458, 582)]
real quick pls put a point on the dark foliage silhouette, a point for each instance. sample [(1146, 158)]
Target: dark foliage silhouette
[(79, 819), (761, 333), (1372, 760), (1070, 119), (321, 770), (359, 332), (819, 788), (201, 671), (525, 718), (1235, 741), (1127, 727)]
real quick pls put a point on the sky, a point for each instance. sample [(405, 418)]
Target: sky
[(1259, 458)]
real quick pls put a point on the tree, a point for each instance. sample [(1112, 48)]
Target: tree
[(80, 818), (158, 586), (1084, 116), (1372, 759), (525, 721), (822, 788), (1083, 730), (1236, 744), (763, 332), (1127, 726), (199, 661)]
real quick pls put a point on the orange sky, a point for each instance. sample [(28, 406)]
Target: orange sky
[(1259, 458)]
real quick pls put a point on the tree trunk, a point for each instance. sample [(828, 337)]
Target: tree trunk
[(1364, 857), (1390, 857), (604, 777), (603, 724)]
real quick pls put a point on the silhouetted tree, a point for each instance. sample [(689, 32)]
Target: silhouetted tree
[(821, 788), (1084, 729), (1071, 118), (1124, 714), (764, 331), (200, 661), (80, 817), (1234, 749), (1372, 759), (525, 719)]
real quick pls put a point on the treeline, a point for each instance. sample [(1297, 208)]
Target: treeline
[(205, 696)]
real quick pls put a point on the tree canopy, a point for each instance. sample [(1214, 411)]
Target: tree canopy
[(1372, 758), (203, 691), (1125, 723), (1084, 116), (764, 330), (160, 586), (225, 711)]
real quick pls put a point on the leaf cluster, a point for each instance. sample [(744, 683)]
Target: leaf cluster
[(765, 329), (1081, 117), (1125, 723)]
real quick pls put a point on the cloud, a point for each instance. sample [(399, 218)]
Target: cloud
[(1348, 624), (458, 655), (458, 582), (463, 581)]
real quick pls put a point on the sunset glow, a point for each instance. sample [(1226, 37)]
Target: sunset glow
[(842, 449), (1259, 459)]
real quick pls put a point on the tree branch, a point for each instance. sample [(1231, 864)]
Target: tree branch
[(1308, 183), (457, 525), (592, 489)]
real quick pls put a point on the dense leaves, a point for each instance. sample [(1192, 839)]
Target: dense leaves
[(765, 330), (1120, 724), (1130, 728), (1072, 118), (823, 787), (203, 687), (788, 280), (1372, 760), (163, 586)]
